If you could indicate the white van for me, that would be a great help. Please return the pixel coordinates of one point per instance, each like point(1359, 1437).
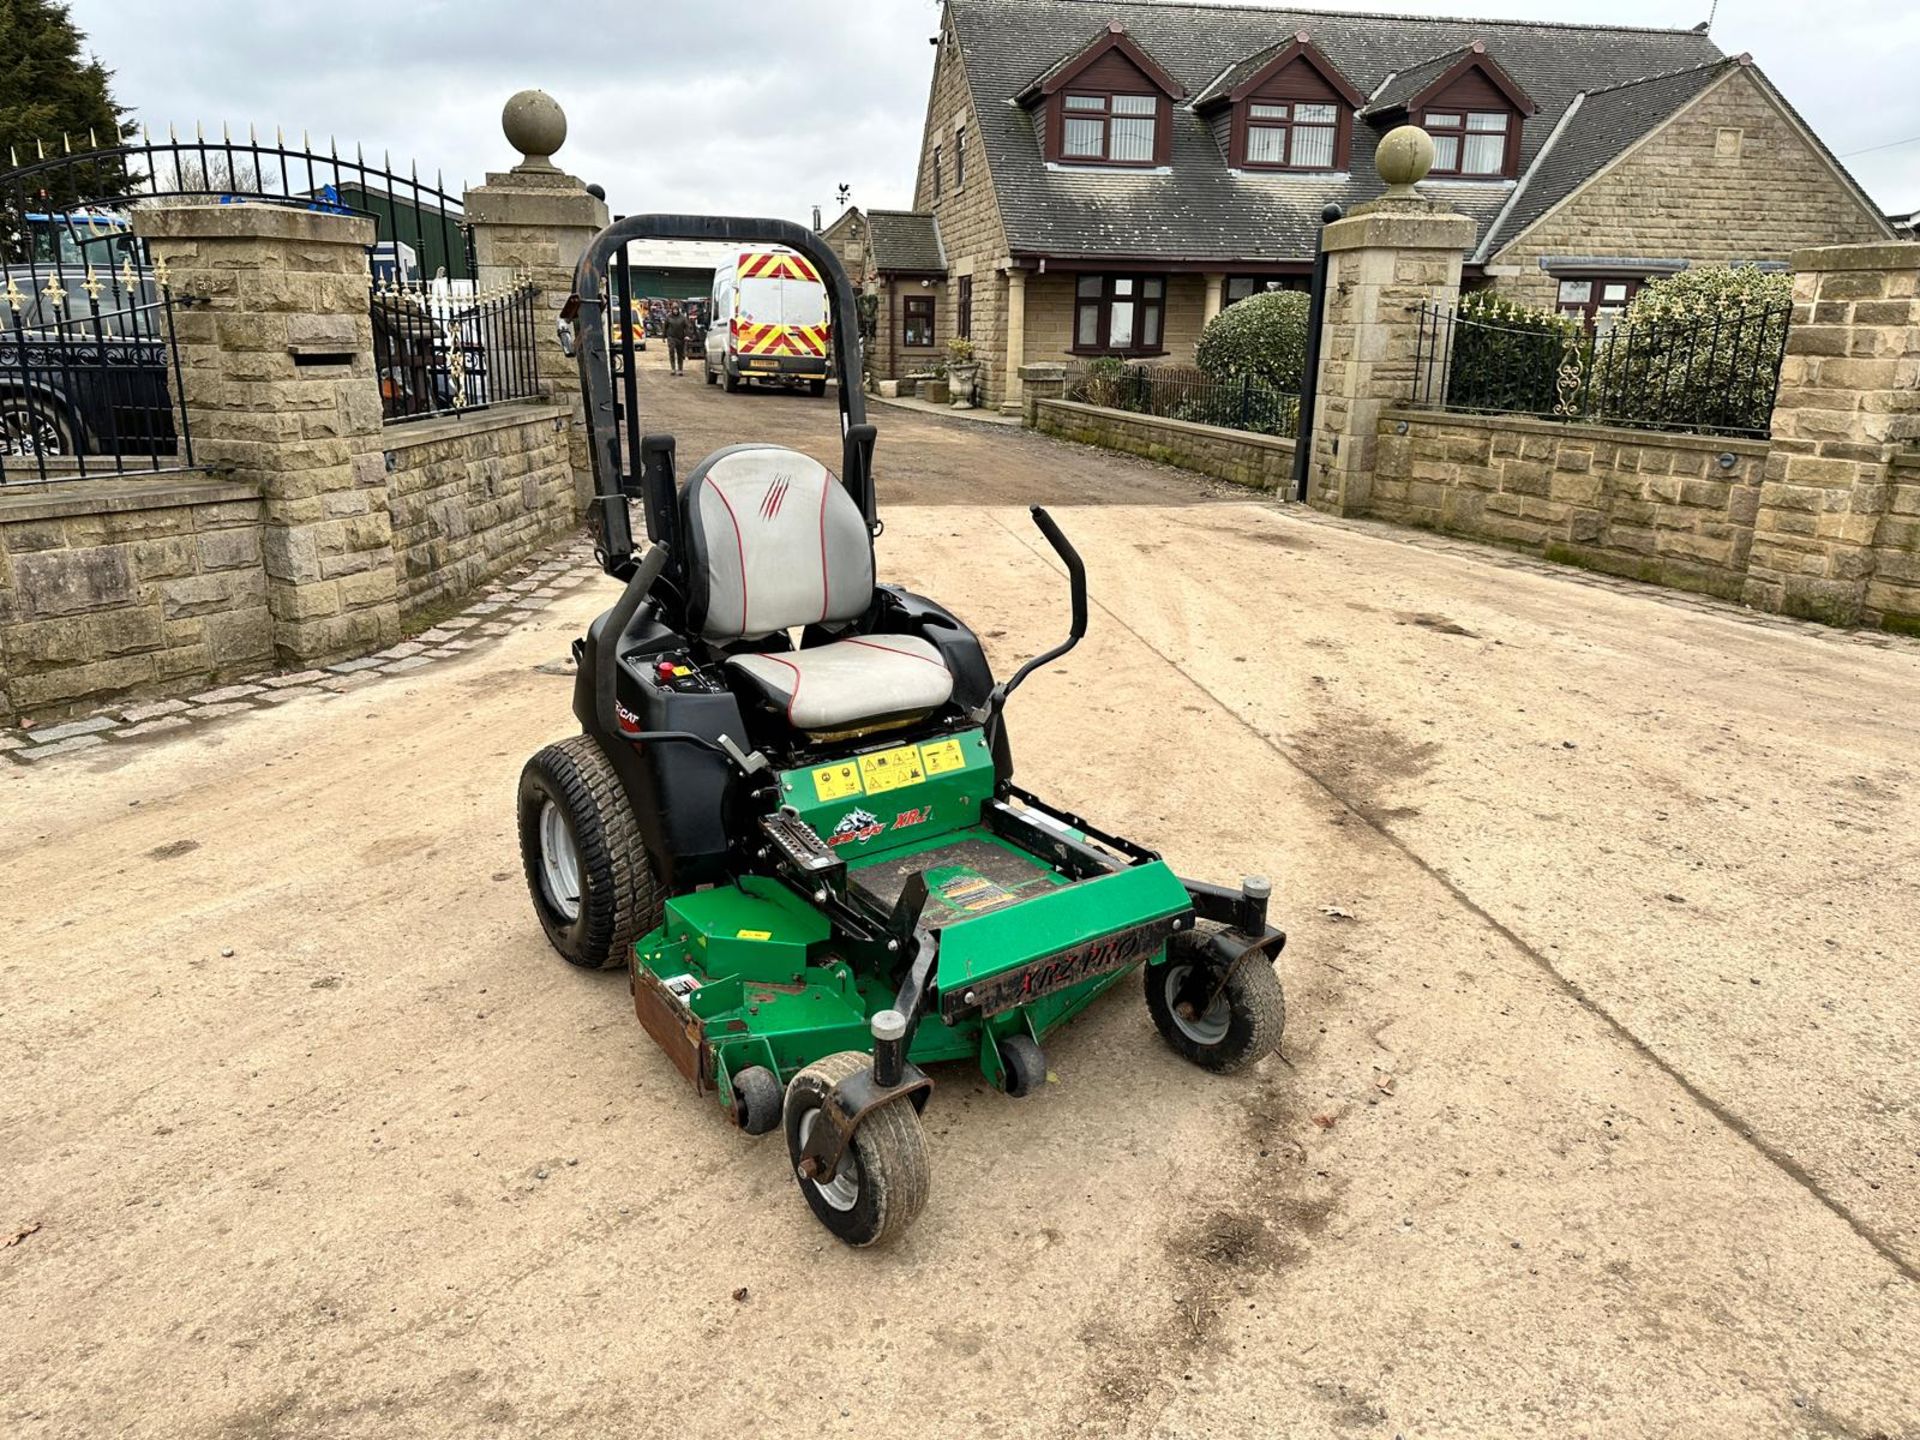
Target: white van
point(769, 321)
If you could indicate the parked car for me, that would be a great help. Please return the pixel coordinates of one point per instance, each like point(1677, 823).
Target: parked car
point(80, 397)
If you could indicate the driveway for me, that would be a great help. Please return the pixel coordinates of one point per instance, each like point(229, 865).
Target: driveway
point(1596, 1116)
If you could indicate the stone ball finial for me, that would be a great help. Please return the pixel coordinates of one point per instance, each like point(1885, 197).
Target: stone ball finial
point(536, 126)
point(1404, 158)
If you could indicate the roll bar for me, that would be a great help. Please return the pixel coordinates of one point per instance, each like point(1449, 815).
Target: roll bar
point(586, 309)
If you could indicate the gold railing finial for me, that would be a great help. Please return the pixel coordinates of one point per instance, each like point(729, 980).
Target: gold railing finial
point(55, 292)
point(16, 301)
point(160, 274)
point(92, 284)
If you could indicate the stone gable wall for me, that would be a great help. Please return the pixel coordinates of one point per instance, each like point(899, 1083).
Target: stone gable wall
point(969, 217)
point(1688, 193)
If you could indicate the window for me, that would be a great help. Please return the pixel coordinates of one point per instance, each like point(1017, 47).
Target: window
point(1468, 143)
point(1291, 135)
point(1599, 301)
point(959, 156)
point(1118, 314)
point(1239, 287)
point(963, 313)
point(936, 172)
point(1115, 128)
point(916, 330)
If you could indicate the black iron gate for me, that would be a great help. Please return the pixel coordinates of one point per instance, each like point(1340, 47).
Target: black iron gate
point(89, 373)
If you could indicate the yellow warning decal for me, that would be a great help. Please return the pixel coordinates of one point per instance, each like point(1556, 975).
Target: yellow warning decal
point(836, 782)
point(942, 756)
point(891, 769)
point(754, 935)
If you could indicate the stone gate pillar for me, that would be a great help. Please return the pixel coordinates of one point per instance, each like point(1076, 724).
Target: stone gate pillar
point(277, 379)
point(533, 222)
point(1387, 258)
point(1848, 404)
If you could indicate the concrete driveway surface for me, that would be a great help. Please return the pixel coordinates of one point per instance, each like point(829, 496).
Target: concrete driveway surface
point(1596, 1117)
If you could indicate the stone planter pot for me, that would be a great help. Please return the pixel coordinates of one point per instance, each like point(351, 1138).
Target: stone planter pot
point(934, 390)
point(960, 379)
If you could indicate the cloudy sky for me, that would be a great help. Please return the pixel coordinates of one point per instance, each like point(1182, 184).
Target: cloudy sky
point(761, 108)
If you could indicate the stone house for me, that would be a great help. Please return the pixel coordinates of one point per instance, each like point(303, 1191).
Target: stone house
point(1103, 177)
point(895, 256)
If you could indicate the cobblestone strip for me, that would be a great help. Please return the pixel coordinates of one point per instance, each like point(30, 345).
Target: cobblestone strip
point(511, 601)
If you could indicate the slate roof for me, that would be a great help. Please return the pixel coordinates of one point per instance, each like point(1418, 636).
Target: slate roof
point(1403, 85)
point(1199, 210)
point(905, 242)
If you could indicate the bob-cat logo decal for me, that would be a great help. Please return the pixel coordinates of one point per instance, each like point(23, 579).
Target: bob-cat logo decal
point(629, 721)
point(856, 827)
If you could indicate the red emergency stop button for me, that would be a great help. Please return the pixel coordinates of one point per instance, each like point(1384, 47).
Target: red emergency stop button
point(664, 670)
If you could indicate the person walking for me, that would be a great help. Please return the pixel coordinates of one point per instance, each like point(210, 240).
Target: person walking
point(676, 329)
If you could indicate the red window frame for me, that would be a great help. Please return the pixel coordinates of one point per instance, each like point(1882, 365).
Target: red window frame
point(1101, 305)
point(1289, 125)
point(1588, 310)
point(1458, 132)
point(1105, 115)
point(916, 310)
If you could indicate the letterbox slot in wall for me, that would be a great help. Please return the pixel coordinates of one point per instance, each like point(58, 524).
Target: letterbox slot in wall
point(302, 359)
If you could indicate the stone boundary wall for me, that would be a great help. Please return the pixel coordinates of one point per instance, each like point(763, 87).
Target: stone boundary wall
point(131, 586)
point(1893, 590)
point(469, 495)
point(1651, 505)
point(1261, 462)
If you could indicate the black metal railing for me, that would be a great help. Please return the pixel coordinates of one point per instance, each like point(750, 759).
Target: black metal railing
point(89, 380)
point(1184, 393)
point(90, 386)
point(1715, 374)
point(440, 352)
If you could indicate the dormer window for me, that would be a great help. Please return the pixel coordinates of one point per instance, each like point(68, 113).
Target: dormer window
point(1282, 108)
point(1470, 143)
point(1291, 137)
point(1469, 105)
point(1108, 103)
point(1118, 129)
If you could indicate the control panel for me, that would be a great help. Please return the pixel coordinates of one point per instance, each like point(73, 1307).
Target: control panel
point(675, 672)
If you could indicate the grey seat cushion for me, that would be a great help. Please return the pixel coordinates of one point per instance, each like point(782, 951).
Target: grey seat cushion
point(848, 682)
point(775, 542)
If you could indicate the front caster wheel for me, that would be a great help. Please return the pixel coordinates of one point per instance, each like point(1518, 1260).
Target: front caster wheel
point(1025, 1064)
point(756, 1100)
point(1219, 1027)
point(886, 1172)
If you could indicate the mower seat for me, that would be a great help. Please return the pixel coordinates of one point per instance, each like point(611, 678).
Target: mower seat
point(774, 543)
point(862, 681)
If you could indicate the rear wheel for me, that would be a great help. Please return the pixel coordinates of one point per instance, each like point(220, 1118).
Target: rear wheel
point(707, 368)
point(733, 380)
point(884, 1177)
point(587, 867)
point(1218, 1021)
point(816, 388)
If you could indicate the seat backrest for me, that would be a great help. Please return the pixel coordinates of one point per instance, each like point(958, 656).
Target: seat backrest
point(773, 541)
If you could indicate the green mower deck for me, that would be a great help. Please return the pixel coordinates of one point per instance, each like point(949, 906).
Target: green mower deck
point(749, 974)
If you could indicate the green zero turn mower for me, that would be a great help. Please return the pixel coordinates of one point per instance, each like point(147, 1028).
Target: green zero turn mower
point(810, 853)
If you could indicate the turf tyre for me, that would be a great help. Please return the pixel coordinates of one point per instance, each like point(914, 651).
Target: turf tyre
point(892, 1170)
point(1244, 1024)
point(619, 896)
